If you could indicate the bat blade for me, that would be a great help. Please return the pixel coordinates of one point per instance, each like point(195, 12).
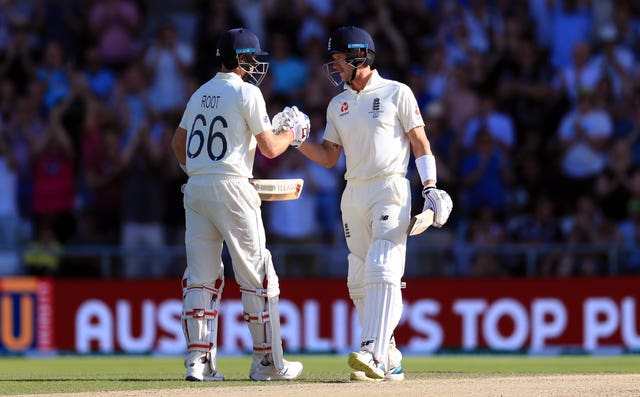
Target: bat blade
point(278, 189)
point(420, 222)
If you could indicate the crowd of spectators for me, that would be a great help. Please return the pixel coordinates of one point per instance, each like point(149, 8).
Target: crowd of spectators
point(532, 108)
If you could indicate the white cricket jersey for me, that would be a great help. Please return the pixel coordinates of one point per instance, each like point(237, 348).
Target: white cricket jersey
point(371, 126)
point(222, 118)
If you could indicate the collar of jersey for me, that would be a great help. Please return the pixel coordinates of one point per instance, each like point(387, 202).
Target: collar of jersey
point(373, 82)
point(228, 75)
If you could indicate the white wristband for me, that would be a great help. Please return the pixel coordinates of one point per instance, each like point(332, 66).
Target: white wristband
point(426, 166)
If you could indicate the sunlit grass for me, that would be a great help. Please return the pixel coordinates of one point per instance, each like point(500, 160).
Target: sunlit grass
point(20, 375)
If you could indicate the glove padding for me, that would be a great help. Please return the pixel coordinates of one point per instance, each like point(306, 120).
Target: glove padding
point(440, 202)
point(281, 122)
point(292, 118)
point(301, 125)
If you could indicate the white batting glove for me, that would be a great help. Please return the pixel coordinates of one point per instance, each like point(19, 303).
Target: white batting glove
point(439, 201)
point(301, 125)
point(281, 122)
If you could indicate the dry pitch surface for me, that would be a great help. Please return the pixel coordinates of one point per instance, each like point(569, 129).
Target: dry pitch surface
point(525, 386)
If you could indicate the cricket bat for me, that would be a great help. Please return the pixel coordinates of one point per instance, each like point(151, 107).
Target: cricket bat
point(420, 222)
point(278, 189)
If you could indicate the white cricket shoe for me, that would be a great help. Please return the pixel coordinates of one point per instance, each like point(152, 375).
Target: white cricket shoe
point(199, 370)
point(394, 364)
point(265, 370)
point(364, 361)
point(359, 376)
point(395, 374)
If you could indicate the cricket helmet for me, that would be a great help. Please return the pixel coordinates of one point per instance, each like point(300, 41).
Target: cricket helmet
point(352, 41)
point(239, 48)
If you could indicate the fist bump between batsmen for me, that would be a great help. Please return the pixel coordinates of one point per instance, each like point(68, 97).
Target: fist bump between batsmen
point(292, 118)
point(281, 122)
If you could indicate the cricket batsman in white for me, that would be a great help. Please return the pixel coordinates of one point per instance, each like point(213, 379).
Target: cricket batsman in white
point(215, 144)
point(376, 122)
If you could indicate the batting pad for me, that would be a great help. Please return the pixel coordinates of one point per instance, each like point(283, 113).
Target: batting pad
point(200, 316)
point(384, 263)
point(256, 315)
point(382, 312)
point(355, 284)
point(263, 316)
point(383, 297)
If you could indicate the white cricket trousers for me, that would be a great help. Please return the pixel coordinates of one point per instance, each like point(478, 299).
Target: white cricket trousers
point(224, 209)
point(375, 209)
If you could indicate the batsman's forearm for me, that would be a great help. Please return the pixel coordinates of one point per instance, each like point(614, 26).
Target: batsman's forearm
point(325, 155)
point(272, 145)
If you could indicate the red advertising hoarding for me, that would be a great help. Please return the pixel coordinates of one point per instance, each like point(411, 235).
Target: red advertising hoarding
point(531, 315)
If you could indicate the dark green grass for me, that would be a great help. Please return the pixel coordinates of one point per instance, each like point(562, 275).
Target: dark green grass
point(20, 375)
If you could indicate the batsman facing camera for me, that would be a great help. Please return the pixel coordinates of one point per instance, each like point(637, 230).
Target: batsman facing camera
point(352, 41)
point(377, 124)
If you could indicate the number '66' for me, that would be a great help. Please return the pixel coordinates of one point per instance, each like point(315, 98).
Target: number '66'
point(196, 138)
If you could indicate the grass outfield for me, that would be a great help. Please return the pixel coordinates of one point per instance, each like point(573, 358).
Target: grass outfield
point(19, 375)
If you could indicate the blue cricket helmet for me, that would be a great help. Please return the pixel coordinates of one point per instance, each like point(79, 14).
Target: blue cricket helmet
point(240, 41)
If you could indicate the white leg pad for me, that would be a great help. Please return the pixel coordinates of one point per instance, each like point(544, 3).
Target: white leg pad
point(383, 309)
point(383, 297)
point(359, 304)
point(355, 284)
point(263, 317)
point(200, 317)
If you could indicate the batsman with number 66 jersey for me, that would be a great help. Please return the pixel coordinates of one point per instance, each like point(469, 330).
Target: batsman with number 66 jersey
point(215, 144)
point(376, 122)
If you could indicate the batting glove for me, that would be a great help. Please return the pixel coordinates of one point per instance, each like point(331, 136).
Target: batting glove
point(439, 201)
point(281, 122)
point(301, 125)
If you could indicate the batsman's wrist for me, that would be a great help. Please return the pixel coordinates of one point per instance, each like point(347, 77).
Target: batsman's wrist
point(426, 166)
point(426, 188)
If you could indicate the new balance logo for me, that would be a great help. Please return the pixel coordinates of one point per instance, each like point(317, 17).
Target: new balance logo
point(198, 313)
point(366, 343)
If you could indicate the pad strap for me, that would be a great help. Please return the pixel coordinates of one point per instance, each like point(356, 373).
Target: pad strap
point(215, 290)
point(262, 348)
point(260, 318)
point(200, 346)
point(257, 291)
point(200, 314)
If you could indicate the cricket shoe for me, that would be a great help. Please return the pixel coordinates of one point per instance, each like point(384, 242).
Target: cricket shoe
point(394, 374)
point(265, 370)
point(359, 376)
point(364, 361)
point(199, 370)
